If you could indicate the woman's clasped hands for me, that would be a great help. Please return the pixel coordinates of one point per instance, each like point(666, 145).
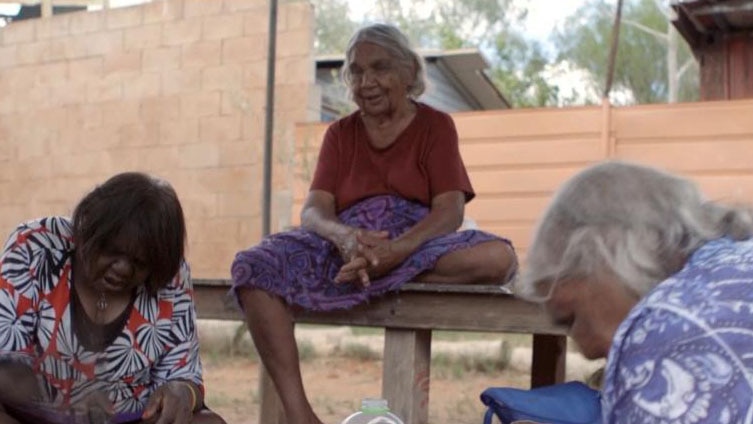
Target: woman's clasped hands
point(369, 254)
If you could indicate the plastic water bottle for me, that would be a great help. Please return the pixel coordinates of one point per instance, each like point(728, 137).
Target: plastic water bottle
point(373, 411)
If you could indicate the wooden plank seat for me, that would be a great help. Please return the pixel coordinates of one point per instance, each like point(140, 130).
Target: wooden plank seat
point(409, 316)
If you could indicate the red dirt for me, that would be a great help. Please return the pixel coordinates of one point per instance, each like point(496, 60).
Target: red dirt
point(335, 386)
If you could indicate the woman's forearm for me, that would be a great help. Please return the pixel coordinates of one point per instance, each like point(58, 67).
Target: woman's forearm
point(445, 217)
point(327, 226)
point(319, 216)
point(194, 392)
point(199, 396)
point(21, 377)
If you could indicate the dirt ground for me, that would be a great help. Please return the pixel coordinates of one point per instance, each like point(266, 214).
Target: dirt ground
point(335, 386)
point(342, 365)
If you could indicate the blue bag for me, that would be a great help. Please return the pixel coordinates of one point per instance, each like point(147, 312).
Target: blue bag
point(567, 403)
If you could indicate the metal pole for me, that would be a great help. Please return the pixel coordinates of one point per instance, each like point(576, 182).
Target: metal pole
point(46, 8)
point(269, 121)
point(271, 406)
point(613, 50)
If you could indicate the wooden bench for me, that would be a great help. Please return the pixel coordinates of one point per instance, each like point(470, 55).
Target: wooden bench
point(409, 317)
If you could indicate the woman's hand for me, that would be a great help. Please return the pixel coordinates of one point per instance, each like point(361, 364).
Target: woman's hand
point(22, 379)
point(386, 254)
point(376, 257)
point(354, 271)
point(96, 408)
point(349, 244)
point(357, 259)
point(171, 403)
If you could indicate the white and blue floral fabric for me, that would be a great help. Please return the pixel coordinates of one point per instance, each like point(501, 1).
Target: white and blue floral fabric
point(684, 354)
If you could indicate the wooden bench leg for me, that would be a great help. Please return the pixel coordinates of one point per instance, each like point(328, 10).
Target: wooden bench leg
point(270, 410)
point(405, 373)
point(548, 364)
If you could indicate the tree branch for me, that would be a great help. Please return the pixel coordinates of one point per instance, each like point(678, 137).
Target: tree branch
point(685, 66)
point(664, 10)
point(661, 36)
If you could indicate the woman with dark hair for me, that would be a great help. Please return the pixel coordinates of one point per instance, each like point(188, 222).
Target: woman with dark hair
point(644, 271)
point(96, 313)
point(387, 199)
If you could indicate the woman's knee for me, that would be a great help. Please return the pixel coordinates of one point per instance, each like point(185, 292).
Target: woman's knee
point(499, 262)
point(491, 262)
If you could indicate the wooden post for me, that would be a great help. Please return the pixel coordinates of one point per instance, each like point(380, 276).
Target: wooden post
point(406, 372)
point(46, 8)
point(548, 364)
point(608, 141)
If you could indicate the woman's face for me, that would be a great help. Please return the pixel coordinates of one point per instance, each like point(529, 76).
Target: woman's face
point(591, 309)
point(120, 266)
point(379, 87)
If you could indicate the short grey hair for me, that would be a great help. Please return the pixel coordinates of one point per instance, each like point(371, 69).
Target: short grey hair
point(629, 221)
point(399, 48)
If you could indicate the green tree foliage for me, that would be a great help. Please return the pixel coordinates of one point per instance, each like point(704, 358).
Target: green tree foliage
point(516, 64)
point(333, 26)
point(641, 70)
point(519, 66)
point(447, 24)
point(520, 71)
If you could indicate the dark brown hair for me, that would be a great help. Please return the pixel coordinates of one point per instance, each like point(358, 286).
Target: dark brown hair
point(145, 206)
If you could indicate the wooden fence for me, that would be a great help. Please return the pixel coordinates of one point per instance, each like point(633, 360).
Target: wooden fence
point(517, 158)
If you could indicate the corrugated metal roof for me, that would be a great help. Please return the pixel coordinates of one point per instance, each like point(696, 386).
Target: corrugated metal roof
point(465, 67)
point(697, 20)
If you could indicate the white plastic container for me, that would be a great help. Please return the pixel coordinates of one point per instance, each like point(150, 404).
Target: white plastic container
point(373, 411)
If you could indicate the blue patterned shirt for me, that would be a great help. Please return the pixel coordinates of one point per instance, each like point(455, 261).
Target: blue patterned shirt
point(684, 354)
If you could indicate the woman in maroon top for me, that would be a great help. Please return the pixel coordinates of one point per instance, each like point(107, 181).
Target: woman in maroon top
point(384, 208)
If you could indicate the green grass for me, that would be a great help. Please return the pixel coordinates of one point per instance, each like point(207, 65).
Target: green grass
point(449, 365)
point(458, 365)
point(306, 351)
point(514, 339)
point(358, 351)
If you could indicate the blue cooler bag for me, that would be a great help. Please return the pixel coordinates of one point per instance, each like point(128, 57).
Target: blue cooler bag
point(567, 403)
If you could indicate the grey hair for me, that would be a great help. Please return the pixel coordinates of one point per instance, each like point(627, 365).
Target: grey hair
point(399, 48)
point(629, 221)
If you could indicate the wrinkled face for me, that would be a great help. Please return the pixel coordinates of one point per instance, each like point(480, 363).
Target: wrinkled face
point(378, 85)
point(119, 267)
point(591, 309)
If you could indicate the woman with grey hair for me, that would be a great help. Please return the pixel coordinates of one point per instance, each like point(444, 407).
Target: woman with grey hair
point(388, 195)
point(644, 271)
point(408, 64)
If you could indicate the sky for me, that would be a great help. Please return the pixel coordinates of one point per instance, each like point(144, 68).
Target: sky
point(543, 15)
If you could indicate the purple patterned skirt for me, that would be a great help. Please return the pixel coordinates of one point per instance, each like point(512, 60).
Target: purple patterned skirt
point(300, 266)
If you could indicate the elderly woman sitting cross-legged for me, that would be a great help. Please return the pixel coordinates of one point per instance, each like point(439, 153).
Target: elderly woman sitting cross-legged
point(644, 271)
point(388, 194)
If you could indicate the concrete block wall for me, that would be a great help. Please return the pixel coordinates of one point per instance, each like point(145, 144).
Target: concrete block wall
point(173, 87)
